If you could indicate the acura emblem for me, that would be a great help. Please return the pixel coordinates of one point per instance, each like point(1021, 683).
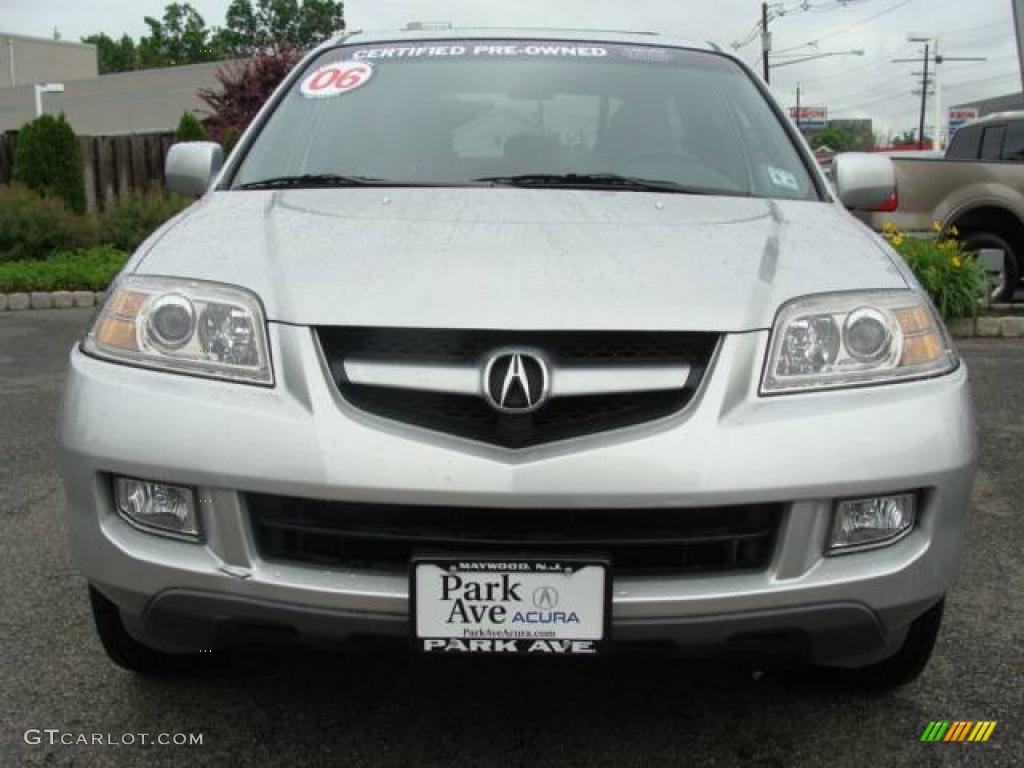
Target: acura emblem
point(545, 598)
point(516, 381)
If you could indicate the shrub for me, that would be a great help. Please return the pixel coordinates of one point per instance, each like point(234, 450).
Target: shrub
point(956, 281)
point(134, 219)
point(87, 270)
point(32, 226)
point(189, 129)
point(47, 160)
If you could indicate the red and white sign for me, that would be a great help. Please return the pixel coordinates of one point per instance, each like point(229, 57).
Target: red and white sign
point(960, 117)
point(810, 118)
point(336, 79)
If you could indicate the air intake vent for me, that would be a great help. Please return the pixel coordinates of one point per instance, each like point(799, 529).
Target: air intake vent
point(383, 537)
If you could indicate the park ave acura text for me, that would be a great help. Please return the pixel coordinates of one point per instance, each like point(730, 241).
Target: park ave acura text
point(520, 342)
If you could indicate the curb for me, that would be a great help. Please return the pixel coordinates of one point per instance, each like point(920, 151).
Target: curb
point(19, 302)
point(990, 327)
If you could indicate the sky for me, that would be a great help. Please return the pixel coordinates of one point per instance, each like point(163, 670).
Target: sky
point(849, 86)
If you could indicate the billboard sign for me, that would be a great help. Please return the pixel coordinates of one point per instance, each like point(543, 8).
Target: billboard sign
point(958, 117)
point(809, 118)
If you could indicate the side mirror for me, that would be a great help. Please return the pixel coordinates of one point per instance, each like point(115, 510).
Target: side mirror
point(191, 166)
point(865, 182)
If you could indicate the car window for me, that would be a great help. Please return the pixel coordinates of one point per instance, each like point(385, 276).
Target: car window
point(966, 144)
point(455, 112)
point(1013, 149)
point(992, 142)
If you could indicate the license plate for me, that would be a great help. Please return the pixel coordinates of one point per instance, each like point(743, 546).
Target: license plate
point(510, 606)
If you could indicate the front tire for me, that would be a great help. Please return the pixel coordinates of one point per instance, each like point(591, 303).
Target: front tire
point(902, 668)
point(123, 649)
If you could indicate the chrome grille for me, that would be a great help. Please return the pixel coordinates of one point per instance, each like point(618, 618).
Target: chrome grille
point(602, 380)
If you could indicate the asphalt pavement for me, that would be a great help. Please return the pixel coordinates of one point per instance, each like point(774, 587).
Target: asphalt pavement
point(391, 709)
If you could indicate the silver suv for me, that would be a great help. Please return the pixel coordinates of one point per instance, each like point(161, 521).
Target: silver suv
point(516, 342)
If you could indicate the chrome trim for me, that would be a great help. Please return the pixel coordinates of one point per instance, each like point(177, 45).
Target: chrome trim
point(454, 379)
point(606, 380)
point(565, 382)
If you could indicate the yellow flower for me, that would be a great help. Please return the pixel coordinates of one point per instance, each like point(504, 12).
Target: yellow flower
point(936, 226)
point(897, 240)
point(890, 228)
point(957, 262)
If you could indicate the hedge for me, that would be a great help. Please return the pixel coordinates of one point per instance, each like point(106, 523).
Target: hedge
point(88, 269)
point(33, 227)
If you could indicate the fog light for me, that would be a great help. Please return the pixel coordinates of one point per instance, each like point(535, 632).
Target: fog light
point(874, 522)
point(169, 510)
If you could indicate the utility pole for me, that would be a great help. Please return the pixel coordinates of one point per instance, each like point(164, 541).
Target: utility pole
point(798, 108)
point(766, 44)
point(939, 119)
point(932, 79)
point(1018, 18)
point(924, 93)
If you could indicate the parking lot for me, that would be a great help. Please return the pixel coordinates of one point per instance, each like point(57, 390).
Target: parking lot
point(392, 709)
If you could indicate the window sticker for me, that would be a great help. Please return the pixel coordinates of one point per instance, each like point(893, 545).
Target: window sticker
point(783, 178)
point(335, 79)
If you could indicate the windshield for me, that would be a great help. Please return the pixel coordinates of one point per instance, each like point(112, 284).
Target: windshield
point(531, 114)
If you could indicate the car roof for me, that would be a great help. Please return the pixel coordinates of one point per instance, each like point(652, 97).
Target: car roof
point(998, 117)
point(423, 31)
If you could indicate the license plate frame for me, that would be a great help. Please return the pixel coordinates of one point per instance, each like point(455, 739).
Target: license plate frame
point(537, 572)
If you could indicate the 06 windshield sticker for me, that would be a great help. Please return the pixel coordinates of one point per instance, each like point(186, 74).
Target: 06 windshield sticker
point(335, 79)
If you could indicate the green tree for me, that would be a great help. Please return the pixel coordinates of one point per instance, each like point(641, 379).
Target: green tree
point(908, 137)
point(47, 160)
point(114, 55)
point(252, 27)
point(189, 129)
point(831, 137)
point(181, 37)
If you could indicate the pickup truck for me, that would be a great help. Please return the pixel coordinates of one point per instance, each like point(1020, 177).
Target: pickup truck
point(977, 188)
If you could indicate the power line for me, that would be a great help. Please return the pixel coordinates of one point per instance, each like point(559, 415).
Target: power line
point(775, 11)
point(860, 104)
point(843, 30)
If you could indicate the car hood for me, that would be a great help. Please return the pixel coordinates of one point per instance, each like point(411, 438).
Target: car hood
point(520, 259)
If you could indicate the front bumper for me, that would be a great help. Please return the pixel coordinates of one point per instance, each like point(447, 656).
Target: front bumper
point(728, 447)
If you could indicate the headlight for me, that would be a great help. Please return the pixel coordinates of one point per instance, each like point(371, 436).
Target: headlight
point(854, 339)
point(185, 326)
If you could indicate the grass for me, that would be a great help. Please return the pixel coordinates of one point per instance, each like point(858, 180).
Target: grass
point(89, 269)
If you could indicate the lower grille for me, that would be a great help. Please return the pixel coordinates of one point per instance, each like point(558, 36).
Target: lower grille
point(472, 417)
point(383, 537)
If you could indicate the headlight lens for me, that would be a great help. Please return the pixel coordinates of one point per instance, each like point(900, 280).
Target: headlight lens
point(185, 326)
point(854, 339)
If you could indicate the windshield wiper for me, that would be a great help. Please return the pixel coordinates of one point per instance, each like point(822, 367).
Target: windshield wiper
point(599, 181)
point(317, 181)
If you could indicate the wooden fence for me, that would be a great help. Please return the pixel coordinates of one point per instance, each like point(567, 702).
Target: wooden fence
point(113, 167)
